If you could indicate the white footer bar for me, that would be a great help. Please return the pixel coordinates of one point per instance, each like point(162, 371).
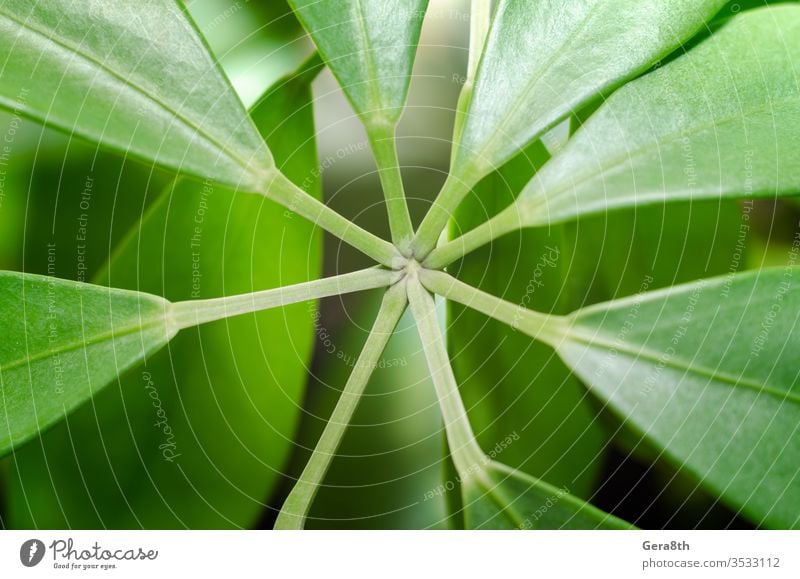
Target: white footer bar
point(406, 555)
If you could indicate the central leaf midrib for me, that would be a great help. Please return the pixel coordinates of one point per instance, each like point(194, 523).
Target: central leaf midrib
point(677, 363)
point(78, 344)
point(534, 82)
point(507, 509)
point(369, 60)
point(92, 59)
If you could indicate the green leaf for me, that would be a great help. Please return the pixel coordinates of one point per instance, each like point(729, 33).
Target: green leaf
point(369, 46)
point(504, 498)
point(720, 121)
point(703, 126)
point(231, 391)
point(707, 372)
point(64, 341)
point(542, 62)
point(135, 77)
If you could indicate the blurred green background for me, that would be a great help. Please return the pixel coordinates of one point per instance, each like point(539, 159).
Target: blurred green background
point(391, 467)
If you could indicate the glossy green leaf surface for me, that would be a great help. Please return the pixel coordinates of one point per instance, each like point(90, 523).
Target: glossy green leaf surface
point(370, 46)
point(720, 121)
point(196, 438)
point(503, 498)
point(133, 75)
point(63, 342)
point(543, 60)
point(707, 372)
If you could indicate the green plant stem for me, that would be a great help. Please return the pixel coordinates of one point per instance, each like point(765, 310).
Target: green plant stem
point(453, 192)
point(295, 508)
point(547, 328)
point(194, 312)
point(504, 222)
point(384, 148)
point(280, 189)
point(467, 456)
point(456, 188)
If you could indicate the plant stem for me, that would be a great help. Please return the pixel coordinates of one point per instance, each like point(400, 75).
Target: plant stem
point(502, 223)
point(545, 327)
point(280, 189)
point(456, 188)
point(467, 456)
point(191, 313)
point(452, 193)
point(384, 148)
point(295, 509)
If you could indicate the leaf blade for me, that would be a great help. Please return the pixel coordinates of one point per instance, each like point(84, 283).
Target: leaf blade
point(693, 373)
point(541, 63)
point(99, 72)
point(62, 337)
point(230, 390)
point(592, 47)
point(375, 73)
point(732, 135)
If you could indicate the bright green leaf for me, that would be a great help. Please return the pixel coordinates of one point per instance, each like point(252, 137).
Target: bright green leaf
point(64, 341)
point(504, 498)
point(722, 120)
point(544, 60)
point(370, 46)
point(134, 76)
point(707, 372)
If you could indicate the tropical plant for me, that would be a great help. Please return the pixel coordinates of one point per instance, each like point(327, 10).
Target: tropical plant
point(569, 109)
